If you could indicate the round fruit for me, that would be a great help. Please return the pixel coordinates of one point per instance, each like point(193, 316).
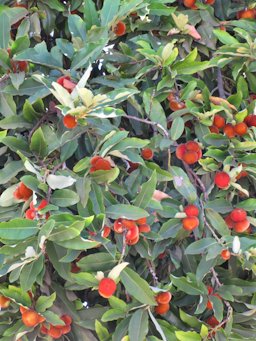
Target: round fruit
point(175, 102)
point(229, 131)
point(106, 231)
point(219, 121)
point(145, 228)
point(162, 309)
point(190, 223)
point(30, 214)
point(120, 28)
point(102, 164)
point(141, 221)
point(19, 66)
point(212, 321)
point(192, 146)
point(240, 128)
point(67, 319)
point(163, 297)
point(147, 154)
point(209, 2)
point(107, 287)
point(191, 210)
point(190, 4)
point(25, 191)
point(209, 305)
point(129, 224)
point(118, 226)
point(180, 151)
point(242, 226)
point(225, 254)
point(210, 290)
point(214, 130)
point(229, 222)
point(238, 214)
point(54, 332)
point(132, 233)
point(133, 241)
point(250, 120)
point(222, 180)
point(190, 157)
point(246, 14)
point(30, 318)
point(69, 121)
point(4, 302)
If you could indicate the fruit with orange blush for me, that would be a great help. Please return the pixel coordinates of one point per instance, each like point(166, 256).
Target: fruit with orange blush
point(162, 309)
point(190, 223)
point(107, 287)
point(240, 128)
point(222, 180)
point(163, 297)
point(69, 121)
point(119, 29)
point(4, 302)
point(219, 121)
point(147, 154)
point(225, 254)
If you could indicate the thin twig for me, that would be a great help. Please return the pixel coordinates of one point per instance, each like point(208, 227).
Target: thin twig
point(152, 271)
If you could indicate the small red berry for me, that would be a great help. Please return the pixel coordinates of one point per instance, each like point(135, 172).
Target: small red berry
point(144, 228)
point(219, 121)
point(162, 309)
point(240, 128)
point(222, 180)
point(69, 121)
point(147, 154)
point(107, 287)
point(190, 223)
point(241, 226)
point(163, 297)
point(180, 151)
point(229, 131)
point(120, 28)
point(238, 214)
point(225, 254)
point(191, 210)
point(106, 231)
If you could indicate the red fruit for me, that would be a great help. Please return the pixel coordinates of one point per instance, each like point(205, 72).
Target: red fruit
point(246, 14)
point(106, 231)
point(19, 66)
point(241, 175)
point(219, 121)
point(133, 241)
point(129, 224)
point(250, 120)
point(132, 233)
point(107, 287)
point(94, 159)
point(145, 228)
point(25, 191)
point(174, 101)
point(147, 154)
point(222, 180)
point(141, 221)
point(192, 146)
point(4, 302)
point(212, 321)
point(66, 329)
point(163, 297)
point(191, 210)
point(30, 214)
point(43, 204)
point(118, 226)
point(162, 309)
point(190, 157)
point(69, 85)
point(214, 130)
point(238, 214)
point(67, 319)
point(209, 305)
point(241, 226)
point(102, 164)
point(69, 121)
point(31, 318)
point(44, 330)
point(120, 28)
point(17, 195)
point(74, 268)
point(225, 254)
point(54, 332)
point(133, 166)
point(229, 222)
point(190, 223)
point(180, 151)
point(210, 290)
point(240, 128)
point(229, 131)
point(23, 309)
point(209, 2)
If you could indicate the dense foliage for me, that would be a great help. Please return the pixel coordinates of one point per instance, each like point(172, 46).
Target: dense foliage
point(127, 181)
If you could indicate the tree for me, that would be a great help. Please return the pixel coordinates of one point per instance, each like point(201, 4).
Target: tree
point(127, 207)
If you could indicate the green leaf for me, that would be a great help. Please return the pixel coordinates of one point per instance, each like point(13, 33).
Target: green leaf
point(64, 198)
point(183, 185)
point(53, 318)
point(147, 190)
point(45, 302)
point(125, 211)
point(225, 37)
point(78, 243)
point(170, 228)
point(18, 229)
point(101, 331)
point(138, 326)
point(90, 14)
point(76, 26)
point(177, 128)
point(112, 315)
point(30, 272)
point(18, 295)
point(187, 336)
point(117, 303)
point(137, 287)
point(67, 232)
point(38, 143)
point(105, 176)
point(189, 286)
point(103, 262)
point(108, 12)
point(217, 222)
point(10, 170)
point(5, 28)
point(248, 204)
point(14, 122)
point(192, 321)
point(86, 279)
point(200, 246)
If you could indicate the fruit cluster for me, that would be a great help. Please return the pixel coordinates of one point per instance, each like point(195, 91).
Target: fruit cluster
point(189, 152)
point(229, 129)
point(32, 212)
point(22, 192)
point(191, 3)
point(131, 229)
point(107, 287)
point(238, 220)
point(209, 304)
point(30, 318)
point(99, 163)
point(175, 103)
point(191, 222)
point(163, 302)
point(57, 331)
